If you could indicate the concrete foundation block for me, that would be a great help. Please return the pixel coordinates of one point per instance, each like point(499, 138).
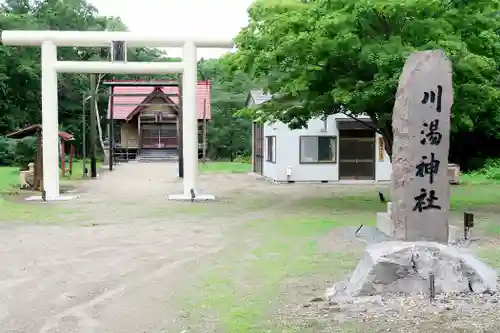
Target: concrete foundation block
point(385, 224)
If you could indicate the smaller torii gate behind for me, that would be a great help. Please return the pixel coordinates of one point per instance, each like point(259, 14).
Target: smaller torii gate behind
point(50, 40)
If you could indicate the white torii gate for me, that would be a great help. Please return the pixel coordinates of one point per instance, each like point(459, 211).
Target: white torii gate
point(50, 40)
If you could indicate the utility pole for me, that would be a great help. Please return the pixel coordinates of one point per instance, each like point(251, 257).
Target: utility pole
point(180, 133)
point(93, 126)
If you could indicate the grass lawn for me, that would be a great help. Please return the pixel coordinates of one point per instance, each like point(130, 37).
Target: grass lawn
point(245, 286)
point(13, 207)
point(10, 207)
point(9, 178)
point(225, 167)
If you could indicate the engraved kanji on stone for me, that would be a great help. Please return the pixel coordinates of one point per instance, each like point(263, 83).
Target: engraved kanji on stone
point(426, 200)
point(432, 97)
point(431, 133)
point(428, 167)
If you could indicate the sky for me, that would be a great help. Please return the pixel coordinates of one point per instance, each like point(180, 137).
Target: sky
point(184, 18)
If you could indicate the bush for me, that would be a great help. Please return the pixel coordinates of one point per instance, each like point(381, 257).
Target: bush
point(491, 169)
point(243, 159)
point(17, 152)
point(25, 151)
point(7, 151)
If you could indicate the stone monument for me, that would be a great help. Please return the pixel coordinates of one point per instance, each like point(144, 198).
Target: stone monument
point(420, 191)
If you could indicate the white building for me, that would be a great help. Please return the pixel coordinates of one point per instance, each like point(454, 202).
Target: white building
point(335, 149)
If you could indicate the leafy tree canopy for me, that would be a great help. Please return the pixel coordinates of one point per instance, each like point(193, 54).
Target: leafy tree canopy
point(325, 56)
point(20, 99)
point(228, 134)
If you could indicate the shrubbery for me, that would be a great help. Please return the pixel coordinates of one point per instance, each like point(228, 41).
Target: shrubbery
point(243, 159)
point(490, 170)
point(17, 152)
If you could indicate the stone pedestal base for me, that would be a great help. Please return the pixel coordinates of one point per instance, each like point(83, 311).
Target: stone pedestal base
point(405, 267)
point(183, 197)
point(59, 198)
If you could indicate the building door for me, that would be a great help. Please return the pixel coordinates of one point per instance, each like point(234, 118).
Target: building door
point(159, 136)
point(357, 154)
point(258, 148)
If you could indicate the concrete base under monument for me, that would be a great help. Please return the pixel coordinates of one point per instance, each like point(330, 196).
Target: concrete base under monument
point(386, 225)
point(405, 267)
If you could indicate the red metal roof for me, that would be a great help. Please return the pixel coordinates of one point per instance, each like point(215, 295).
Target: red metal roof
point(121, 112)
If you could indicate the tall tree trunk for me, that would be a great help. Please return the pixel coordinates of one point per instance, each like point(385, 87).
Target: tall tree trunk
point(99, 123)
point(384, 128)
point(388, 137)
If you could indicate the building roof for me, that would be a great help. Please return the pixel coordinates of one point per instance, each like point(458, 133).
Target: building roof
point(258, 96)
point(33, 129)
point(122, 112)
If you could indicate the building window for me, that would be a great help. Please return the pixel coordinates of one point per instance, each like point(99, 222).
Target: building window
point(318, 149)
point(271, 149)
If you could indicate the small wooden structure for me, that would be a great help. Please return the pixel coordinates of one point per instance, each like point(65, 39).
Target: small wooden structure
point(36, 130)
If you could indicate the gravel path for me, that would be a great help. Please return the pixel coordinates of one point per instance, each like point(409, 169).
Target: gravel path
point(401, 314)
point(92, 279)
point(115, 262)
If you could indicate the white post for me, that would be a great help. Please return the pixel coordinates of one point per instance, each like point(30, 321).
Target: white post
point(189, 120)
point(50, 121)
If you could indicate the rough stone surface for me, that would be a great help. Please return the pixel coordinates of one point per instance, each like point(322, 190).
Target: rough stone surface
point(405, 267)
point(423, 103)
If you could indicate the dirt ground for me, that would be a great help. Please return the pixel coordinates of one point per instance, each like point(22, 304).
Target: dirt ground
point(123, 249)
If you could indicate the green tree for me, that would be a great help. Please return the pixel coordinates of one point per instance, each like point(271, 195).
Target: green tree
point(228, 135)
point(327, 56)
point(20, 99)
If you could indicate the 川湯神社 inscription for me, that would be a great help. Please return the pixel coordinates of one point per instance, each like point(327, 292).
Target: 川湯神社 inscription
point(421, 122)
